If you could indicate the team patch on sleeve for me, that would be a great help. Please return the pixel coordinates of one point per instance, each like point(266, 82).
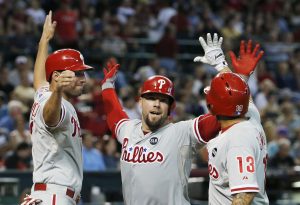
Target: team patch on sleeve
point(41, 93)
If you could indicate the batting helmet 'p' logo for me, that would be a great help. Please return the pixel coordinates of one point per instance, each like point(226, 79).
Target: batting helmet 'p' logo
point(161, 82)
point(153, 140)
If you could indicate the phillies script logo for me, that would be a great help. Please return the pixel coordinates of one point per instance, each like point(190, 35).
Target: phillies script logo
point(139, 154)
point(213, 172)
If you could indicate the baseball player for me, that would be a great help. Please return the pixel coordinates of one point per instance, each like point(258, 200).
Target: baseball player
point(237, 157)
point(156, 154)
point(57, 145)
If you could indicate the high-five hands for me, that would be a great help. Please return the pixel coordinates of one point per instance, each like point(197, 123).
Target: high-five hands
point(247, 60)
point(213, 53)
point(110, 73)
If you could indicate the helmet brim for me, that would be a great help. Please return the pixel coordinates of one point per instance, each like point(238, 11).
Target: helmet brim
point(82, 67)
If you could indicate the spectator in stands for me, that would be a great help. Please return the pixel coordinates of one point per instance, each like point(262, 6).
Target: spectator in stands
point(15, 111)
point(20, 134)
point(36, 13)
point(5, 85)
point(92, 157)
point(272, 137)
point(167, 48)
point(284, 76)
point(20, 159)
point(129, 102)
point(181, 23)
point(232, 29)
point(111, 155)
point(266, 88)
point(22, 68)
point(66, 18)
point(296, 148)
point(24, 92)
point(21, 40)
point(125, 11)
point(3, 105)
point(4, 147)
point(158, 25)
point(290, 118)
point(112, 44)
point(282, 160)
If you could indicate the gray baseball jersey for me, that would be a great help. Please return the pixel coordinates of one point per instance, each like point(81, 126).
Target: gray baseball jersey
point(56, 151)
point(237, 161)
point(155, 167)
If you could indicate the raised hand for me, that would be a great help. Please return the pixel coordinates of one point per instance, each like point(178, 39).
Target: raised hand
point(110, 72)
point(29, 200)
point(39, 66)
point(49, 27)
point(213, 53)
point(247, 60)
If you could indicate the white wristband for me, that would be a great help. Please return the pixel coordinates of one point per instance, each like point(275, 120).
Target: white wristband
point(107, 84)
point(221, 65)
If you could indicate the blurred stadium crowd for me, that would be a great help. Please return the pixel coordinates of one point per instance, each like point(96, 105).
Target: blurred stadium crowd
point(150, 37)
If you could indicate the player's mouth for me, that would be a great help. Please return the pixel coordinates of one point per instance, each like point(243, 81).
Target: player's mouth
point(155, 113)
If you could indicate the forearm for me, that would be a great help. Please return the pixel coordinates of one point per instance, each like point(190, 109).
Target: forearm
point(113, 109)
point(42, 54)
point(39, 66)
point(243, 198)
point(52, 111)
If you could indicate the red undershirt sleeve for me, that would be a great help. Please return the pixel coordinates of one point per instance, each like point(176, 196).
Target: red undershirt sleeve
point(206, 127)
point(113, 109)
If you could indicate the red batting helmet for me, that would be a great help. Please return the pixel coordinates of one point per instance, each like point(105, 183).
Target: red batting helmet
point(65, 59)
point(228, 95)
point(159, 84)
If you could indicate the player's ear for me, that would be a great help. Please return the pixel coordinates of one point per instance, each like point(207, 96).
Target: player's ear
point(55, 75)
point(140, 101)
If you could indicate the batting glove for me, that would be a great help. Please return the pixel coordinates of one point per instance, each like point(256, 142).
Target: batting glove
point(247, 61)
point(213, 53)
point(29, 200)
point(110, 74)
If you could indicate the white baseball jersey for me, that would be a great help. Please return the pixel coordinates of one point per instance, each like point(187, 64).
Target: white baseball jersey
point(155, 167)
point(56, 151)
point(237, 161)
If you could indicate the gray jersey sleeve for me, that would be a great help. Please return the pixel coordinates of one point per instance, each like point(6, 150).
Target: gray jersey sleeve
point(253, 113)
point(41, 97)
point(122, 129)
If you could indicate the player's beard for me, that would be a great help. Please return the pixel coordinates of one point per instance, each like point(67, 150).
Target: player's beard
point(72, 92)
point(155, 124)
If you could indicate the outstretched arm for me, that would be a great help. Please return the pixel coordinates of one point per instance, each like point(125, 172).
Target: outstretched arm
point(112, 107)
point(51, 112)
point(39, 66)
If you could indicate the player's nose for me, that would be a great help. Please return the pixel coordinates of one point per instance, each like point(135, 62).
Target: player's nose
point(82, 80)
point(157, 102)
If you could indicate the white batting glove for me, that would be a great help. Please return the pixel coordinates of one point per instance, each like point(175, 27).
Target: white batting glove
point(29, 200)
point(213, 53)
